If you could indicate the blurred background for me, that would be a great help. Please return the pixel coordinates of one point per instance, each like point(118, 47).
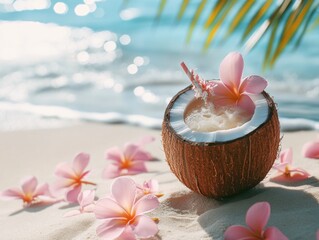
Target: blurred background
point(118, 60)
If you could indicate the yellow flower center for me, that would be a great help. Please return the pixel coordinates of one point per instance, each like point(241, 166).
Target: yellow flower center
point(287, 171)
point(126, 163)
point(28, 198)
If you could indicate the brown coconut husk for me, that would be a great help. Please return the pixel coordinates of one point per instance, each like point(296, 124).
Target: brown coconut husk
point(220, 170)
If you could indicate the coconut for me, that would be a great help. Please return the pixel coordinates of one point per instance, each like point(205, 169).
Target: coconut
point(225, 162)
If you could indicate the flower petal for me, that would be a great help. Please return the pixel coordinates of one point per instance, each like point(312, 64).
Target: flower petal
point(296, 175)
point(89, 208)
point(145, 140)
point(317, 235)
point(111, 171)
point(80, 162)
point(128, 234)
point(231, 69)
point(114, 154)
point(222, 96)
point(311, 150)
point(124, 192)
point(86, 197)
point(145, 227)
point(137, 167)
point(42, 190)
point(257, 216)
point(151, 185)
point(281, 167)
point(253, 84)
point(64, 170)
point(285, 156)
point(62, 183)
point(111, 229)
point(72, 195)
point(273, 233)
point(130, 150)
point(141, 155)
point(146, 204)
point(107, 208)
point(11, 193)
point(237, 232)
point(246, 104)
point(29, 185)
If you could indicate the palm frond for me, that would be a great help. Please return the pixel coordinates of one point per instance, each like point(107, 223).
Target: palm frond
point(277, 15)
point(182, 9)
point(215, 27)
point(288, 22)
point(306, 25)
point(291, 28)
point(216, 10)
point(160, 9)
point(240, 16)
point(195, 19)
point(256, 19)
point(315, 23)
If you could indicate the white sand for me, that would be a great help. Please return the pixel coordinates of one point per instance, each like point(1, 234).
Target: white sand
point(183, 214)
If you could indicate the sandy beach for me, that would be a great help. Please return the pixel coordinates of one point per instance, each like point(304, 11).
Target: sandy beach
point(182, 213)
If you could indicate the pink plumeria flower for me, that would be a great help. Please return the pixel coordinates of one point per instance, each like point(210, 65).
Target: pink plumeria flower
point(311, 149)
point(72, 176)
point(129, 161)
point(201, 87)
point(288, 173)
point(124, 213)
point(86, 203)
point(150, 187)
point(257, 217)
point(29, 192)
point(232, 90)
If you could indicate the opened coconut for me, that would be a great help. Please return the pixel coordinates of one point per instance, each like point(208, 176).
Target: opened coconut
point(218, 159)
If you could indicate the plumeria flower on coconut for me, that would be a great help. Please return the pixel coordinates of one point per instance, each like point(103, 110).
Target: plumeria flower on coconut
point(30, 192)
point(232, 90)
point(129, 161)
point(256, 219)
point(71, 176)
point(288, 173)
point(124, 214)
point(311, 149)
point(86, 204)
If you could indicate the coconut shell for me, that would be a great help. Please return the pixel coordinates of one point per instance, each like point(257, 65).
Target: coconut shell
point(218, 169)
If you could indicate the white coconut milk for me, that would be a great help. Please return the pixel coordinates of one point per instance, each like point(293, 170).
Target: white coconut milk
point(208, 118)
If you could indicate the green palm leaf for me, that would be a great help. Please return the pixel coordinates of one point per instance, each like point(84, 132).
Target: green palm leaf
point(216, 10)
point(195, 19)
point(218, 23)
point(160, 9)
point(182, 9)
point(240, 16)
point(277, 18)
point(306, 25)
point(291, 28)
point(256, 19)
point(287, 22)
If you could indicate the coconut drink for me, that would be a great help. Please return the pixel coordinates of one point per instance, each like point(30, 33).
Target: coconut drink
point(221, 137)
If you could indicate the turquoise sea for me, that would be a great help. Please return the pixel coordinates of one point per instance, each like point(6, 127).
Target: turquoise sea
point(110, 61)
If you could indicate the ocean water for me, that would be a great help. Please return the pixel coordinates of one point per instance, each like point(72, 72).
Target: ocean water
point(110, 61)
